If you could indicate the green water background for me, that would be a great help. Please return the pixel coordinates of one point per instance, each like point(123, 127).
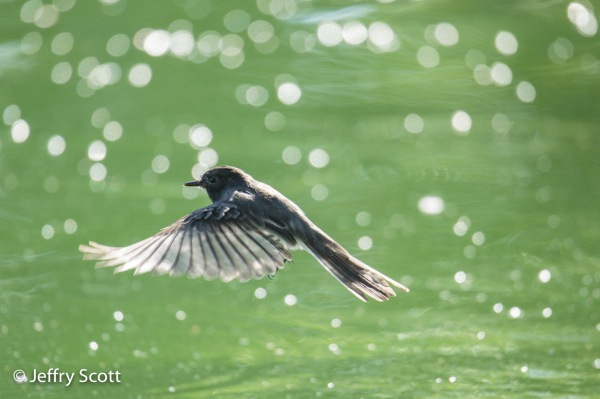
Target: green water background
point(473, 324)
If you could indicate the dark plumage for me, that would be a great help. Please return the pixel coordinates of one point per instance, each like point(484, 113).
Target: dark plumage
point(247, 232)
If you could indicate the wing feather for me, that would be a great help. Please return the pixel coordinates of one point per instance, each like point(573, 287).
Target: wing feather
point(271, 250)
point(167, 262)
point(198, 264)
point(216, 241)
point(256, 259)
point(225, 263)
point(235, 250)
point(137, 259)
point(182, 264)
point(212, 270)
point(157, 256)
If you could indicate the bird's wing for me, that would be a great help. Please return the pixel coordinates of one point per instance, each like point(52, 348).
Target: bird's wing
point(216, 241)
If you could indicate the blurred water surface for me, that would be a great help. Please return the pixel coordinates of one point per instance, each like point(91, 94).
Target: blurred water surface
point(451, 145)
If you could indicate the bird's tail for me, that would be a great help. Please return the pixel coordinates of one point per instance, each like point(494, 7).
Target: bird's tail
point(359, 278)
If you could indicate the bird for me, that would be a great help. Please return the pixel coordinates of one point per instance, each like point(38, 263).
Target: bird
point(247, 232)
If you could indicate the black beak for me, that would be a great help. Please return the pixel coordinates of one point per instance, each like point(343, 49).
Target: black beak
point(192, 183)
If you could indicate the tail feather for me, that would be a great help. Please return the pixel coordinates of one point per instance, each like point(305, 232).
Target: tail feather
point(359, 278)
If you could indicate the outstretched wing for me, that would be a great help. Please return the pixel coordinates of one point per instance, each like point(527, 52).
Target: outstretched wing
point(216, 241)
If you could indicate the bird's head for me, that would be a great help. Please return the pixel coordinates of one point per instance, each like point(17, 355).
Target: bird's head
point(217, 180)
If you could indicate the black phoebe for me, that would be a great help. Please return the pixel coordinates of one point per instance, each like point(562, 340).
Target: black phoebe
point(246, 233)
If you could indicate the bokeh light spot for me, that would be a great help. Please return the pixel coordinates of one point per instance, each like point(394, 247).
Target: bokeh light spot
point(182, 43)
point(236, 21)
point(319, 192)
point(501, 123)
point(31, 43)
point(197, 9)
point(19, 131)
point(469, 251)
point(70, 226)
point(354, 32)
point(291, 155)
point(515, 312)
point(363, 218)
point(413, 123)
point(275, 121)
point(46, 16)
point(526, 92)
point(140, 75)
point(29, 9)
point(283, 9)
point(61, 73)
point(544, 276)
point(182, 133)
point(365, 243)
point(318, 158)
point(11, 114)
point(478, 238)
point(104, 74)
point(483, 75)
point(583, 19)
point(501, 74)
point(208, 43)
point(474, 58)
point(208, 157)
point(260, 293)
point(260, 31)
point(428, 57)
point(431, 205)
point(97, 151)
point(190, 192)
point(289, 93)
point(560, 51)
point(86, 66)
point(302, 41)
point(460, 228)
point(329, 33)
point(160, 164)
point(56, 145)
point(157, 43)
point(290, 300)
point(446, 34)
point(506, 43)
point(113, 131)
point(257, 96)
point(100, 118)
point(118, 45)
point(98, 172)
point(62, 43)
point(461, 122)
point(200, 135)
point(383, 37)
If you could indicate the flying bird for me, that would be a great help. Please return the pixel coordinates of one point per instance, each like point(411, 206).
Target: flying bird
point(247, 232)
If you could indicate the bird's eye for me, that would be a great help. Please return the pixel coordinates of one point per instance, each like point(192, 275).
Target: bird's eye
point(212, 180)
